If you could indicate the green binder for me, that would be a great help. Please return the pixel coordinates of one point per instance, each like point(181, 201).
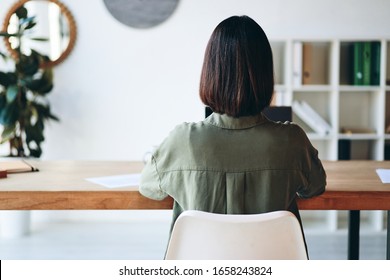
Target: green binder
point(366, 63)
point(358, 63)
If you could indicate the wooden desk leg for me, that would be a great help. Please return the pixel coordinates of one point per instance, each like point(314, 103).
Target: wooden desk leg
point(388, 236)
point(353, 234)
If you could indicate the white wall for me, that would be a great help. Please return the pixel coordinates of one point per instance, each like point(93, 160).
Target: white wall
point(122, 90)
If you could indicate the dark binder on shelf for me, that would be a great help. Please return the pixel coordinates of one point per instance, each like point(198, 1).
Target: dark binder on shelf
point(375, 63)
point(344, 149)
point(387, 151)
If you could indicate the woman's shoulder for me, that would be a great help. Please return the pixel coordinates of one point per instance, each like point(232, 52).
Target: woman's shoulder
point(188, 127)
point(290, 129)
point(179, 139)
point(184, 130)
point(287, 125)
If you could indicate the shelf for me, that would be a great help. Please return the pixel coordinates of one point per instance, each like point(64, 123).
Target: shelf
point(349, 88)
point(316, 136)
point(334, 92)
point(359, 136)
point(312, 88)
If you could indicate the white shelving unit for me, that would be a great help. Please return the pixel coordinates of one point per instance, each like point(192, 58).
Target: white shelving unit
point(339, 102)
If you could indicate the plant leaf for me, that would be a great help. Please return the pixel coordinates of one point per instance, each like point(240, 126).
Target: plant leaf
point(44, 112)
point(40, 39)
point(42, 85)
point(34, 133)
point(30, 25)
point(4, 79)
point(21, 12)
point(3, 102)
point(6, 34)
point(9, 114)
point(35, 152)
point(28, 64)
point(27, 20)
point(7, 79)
point(3, 55)
point(53, 117)
point(7, 134)
point(12, 93)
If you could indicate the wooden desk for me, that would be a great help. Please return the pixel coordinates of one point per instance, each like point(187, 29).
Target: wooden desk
point(352, 185)
point(61, 185)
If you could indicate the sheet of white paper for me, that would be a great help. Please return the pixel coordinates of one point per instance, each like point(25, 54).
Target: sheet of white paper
point(384, 175)
point(117, 181)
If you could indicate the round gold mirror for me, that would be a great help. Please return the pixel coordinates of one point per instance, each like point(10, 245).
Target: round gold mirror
point(53, 35)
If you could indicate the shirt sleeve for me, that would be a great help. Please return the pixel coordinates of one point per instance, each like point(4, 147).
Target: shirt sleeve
point(316, 177)
point(150, 185)
point(314, 172)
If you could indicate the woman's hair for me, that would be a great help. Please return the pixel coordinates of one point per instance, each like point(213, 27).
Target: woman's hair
point(237, 77)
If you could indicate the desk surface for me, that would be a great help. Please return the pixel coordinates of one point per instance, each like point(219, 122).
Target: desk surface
point(352, 185)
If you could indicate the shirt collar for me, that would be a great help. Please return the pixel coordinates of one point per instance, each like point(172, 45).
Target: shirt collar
point(227, 122)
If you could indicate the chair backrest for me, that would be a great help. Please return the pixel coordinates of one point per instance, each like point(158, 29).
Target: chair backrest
point(200, 235)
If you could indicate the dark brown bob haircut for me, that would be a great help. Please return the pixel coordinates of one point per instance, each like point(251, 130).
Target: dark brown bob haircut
point(237, 77)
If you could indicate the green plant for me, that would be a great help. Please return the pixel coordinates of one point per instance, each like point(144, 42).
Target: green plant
point(24, 108)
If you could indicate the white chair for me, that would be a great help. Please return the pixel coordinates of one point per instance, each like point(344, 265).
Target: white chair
point(200, 235)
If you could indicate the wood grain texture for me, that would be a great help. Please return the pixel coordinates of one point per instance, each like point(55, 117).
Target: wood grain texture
point(78, 200)
point(352, 185)
point(335, 200)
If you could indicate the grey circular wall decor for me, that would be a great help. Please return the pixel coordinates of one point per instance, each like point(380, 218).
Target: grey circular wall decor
point(141, 13)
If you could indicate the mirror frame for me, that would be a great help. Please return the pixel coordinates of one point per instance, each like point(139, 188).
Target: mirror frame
point(72, 31)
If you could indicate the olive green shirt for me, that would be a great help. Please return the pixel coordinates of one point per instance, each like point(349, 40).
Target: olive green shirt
point(231, 165)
